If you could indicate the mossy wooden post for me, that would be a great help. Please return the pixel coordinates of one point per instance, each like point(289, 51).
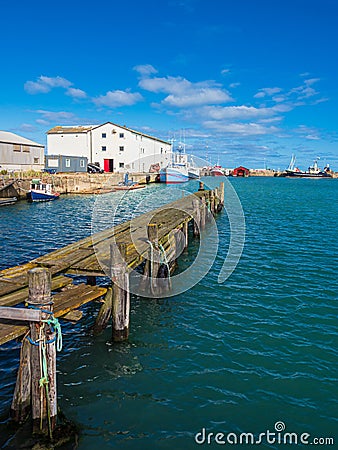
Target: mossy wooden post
point(154, 256)
point(21, 403)
point(203, 213)
point(44, 398)
point(197, 216)
point(216, 201)
point(121, 295)
point(212, 202)
point(221, 193)
point(185, 230)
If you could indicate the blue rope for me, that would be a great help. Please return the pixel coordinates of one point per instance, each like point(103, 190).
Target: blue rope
point(55, 327)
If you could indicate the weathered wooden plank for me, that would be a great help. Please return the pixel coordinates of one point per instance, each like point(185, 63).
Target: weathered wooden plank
point(76, 296)
point(21, 295)
point(65, 301)
point(20, 314)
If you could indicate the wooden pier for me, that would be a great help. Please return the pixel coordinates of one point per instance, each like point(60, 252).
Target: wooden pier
point(34, 295)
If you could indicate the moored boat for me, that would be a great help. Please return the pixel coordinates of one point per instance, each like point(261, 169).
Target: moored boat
point(177, 169)
point(313, 171)
point(174, 173)
point(8, 201)
point(41, 192)
point(217, 171)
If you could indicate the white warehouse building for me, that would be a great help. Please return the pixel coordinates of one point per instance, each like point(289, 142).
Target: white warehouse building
point(19, 153)
point(116, 148)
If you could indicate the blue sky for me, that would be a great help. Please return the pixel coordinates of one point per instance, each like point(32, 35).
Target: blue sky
point(250, 81)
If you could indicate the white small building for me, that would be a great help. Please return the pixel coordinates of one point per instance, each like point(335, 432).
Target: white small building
point(116, 148)
point(19, 153)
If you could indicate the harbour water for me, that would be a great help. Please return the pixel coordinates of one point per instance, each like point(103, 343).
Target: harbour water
point(236, 357)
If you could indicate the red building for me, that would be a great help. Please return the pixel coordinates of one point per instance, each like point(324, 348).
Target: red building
point(240, 172)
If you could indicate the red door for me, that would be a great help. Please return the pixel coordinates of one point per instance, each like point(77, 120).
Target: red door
point(108, 165)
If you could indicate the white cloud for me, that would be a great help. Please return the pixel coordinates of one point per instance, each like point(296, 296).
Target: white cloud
point(26, 128)
point(45, 84)
point(311, 81)
point(234, 85)
point(264, 92)
point(244, 129)
point(183, 93)
point(76, 93)
point(197, 97)
point(235, 112)
point(114, 99)
point(225, 71)
point(55, 116)
point(145, 69)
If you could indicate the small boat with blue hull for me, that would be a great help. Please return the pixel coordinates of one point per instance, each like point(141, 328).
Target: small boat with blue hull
point(180, 169)
point(41, 192)
point(174, 173)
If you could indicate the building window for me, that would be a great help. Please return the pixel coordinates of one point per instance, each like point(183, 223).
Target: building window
point(36, 160)
point(17, 147)
point(142, 151)
point(121, 135)
point(121, 149)
point(161, 151)
point(67, 162)
point(82, 163)
point(121, 165)
point(104, 148)
point(104, 135)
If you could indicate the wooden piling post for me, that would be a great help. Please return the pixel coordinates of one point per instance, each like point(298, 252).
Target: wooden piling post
point(201, 186)
point(216, 201)
point(43, 353)
point(203, 213)
point(121, 295)
point(197, 216)
point(154, 255)
point(212, 202)
point(21, 403)
point(185, 230)
point(221, 192)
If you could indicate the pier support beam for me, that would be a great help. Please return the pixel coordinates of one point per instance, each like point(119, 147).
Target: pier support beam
point(221, 193)
point(185, 230)
point(203, 213)
point(105, 313)
point(197, 216)
point(120, 293)
point(21, 404)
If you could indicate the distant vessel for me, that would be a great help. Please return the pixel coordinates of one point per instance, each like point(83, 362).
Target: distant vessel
point(41, 192)
point(313, 171)
point(217, 171)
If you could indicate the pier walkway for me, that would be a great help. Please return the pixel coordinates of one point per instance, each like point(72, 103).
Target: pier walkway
point(80, 258)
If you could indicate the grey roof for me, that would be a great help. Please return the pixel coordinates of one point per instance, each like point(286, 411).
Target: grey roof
point(12, 138)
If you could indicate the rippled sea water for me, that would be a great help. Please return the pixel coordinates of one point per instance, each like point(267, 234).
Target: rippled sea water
point(233, 357)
